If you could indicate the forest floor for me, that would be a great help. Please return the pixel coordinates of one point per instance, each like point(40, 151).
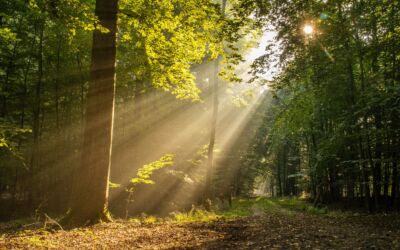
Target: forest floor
point(250, 224)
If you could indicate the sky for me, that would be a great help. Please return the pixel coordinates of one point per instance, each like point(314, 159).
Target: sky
point(267, 38)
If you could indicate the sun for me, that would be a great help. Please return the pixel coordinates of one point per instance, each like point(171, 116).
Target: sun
point(308, 29)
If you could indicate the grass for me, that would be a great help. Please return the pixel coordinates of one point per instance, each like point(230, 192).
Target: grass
point(246, 207)
point(298, 205)
point(196, 216)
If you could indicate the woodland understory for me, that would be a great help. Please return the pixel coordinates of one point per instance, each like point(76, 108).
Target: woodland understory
point(249, 224)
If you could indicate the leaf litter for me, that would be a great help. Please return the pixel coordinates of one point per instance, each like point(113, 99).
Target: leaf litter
point(270, 230)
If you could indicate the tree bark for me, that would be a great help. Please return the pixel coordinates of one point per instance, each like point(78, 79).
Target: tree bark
point(90, 189)
point(210, 153)
point(82, 90)
point(377, 171)
point(395, 185)
point(57, 85)
point(34, 161)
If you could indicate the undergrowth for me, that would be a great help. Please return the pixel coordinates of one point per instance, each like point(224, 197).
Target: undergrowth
point(247, 207)
point(241, 207)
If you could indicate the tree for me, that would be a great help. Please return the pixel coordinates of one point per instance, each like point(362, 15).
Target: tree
point(332, 99)
point(45, 64)
point(90, 190)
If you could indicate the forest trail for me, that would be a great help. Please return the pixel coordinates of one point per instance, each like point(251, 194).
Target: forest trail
point(278, 229)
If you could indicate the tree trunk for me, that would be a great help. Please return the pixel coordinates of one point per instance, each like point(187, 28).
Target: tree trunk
point(82, 90)
point(364, 176)
point(284, 174)
point(24, 94)
point(386, 179)
point(395, 185)
point(377, 171)
point(34, 163)
point(208, 182)
point(90, 189)
point(278, 174)
point(210, 153)
point(56, 85)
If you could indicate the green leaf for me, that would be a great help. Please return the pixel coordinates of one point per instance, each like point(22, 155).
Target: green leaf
point(144, 173)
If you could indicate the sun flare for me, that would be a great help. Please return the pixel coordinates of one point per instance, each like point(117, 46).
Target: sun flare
point(308, 29)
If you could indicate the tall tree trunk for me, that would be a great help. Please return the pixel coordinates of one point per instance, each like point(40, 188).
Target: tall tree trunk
point(57, 83)
point(395, 184)
point(21, 124)
point(34, 163)
point(82, 90)
point(24, 95)
point(362, 152)
point(279, 174)
point(90, 189)
point(377, 171)
point(364, 175)
point(285, 169)
point(210, 153)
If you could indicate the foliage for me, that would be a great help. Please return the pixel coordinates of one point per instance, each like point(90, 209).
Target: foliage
point(144, 173)
point(332, 131)
point(45, 53)
point(243, 207)
point(113, 185)
point(168, 37)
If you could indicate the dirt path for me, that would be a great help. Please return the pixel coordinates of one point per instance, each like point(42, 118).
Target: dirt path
point(274, 230)
point(301, 231)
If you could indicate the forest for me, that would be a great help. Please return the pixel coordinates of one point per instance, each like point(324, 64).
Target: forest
point(199, 124)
